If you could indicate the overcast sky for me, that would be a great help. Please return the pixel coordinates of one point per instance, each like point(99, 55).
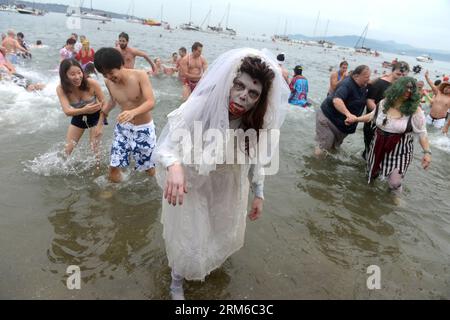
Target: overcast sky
point(420, 23)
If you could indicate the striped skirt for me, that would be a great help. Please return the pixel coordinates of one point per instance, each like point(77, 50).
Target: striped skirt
point(389, 152)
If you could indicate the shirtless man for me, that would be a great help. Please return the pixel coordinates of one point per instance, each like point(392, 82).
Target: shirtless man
point(182, 53)
point(135, 131)
point(440, 103)
point(12, 47)
point(5, 65)
point(337, 76)
point(129, 54)
point(192, 66)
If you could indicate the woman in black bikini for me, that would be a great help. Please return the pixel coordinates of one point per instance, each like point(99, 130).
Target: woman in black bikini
point(82, 99)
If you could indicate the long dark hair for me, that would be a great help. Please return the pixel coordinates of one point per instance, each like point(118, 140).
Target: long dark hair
point(66, 84)
point(257, 69)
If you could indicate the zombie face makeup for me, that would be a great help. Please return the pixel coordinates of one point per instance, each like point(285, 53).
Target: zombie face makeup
point(409, 91)
point(244, 94)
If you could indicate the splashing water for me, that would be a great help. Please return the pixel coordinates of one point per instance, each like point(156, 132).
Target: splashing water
point(55, 162)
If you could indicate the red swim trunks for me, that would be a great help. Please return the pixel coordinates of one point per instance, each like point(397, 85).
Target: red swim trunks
point(191, 84)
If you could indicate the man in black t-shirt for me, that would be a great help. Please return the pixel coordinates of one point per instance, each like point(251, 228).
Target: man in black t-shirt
point(347, 102)
point(376, 92)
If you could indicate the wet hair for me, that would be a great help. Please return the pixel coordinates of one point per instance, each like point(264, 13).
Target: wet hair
point(401, 65)
point(196, 45)
point(437, 82)
point(174, 54)
point(39, 42)
point(397, 90)
point(66, 84)
point(183, 49)
point(257, 69)
point(125, 36)
point(359, 69)
point(107, 59)
point(71, 41)
point(343, 63)
point(20, 35)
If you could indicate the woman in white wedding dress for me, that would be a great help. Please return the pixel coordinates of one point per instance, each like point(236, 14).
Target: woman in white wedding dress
point(205, 190)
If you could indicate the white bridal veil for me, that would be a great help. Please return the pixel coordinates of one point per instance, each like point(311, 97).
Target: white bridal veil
point(208, 107)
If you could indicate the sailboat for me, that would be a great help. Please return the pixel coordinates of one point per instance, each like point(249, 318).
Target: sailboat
point(362, 39)
point(229, 31)
point(324, 43)
point(210, 29)
point(190, 25)
point(164, 24)
point(30, 11)
point(7, 7)
point(314, 43)
point(87, 15)
point(282, 37)
point(130, 15)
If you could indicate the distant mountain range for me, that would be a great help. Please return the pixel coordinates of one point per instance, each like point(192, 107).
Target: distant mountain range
point(386, 46)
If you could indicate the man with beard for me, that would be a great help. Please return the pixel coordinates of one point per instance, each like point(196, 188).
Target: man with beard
point(129, 54)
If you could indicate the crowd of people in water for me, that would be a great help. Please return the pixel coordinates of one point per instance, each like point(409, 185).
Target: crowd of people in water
point(244, 89)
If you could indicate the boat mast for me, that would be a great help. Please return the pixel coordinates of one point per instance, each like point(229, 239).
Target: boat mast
point(326, 30)
point(190, 14)
point(315, 27)
point(365, 34)
point(278, 25)
point(130, 12)
point(362, 37)
point(228, 15)
point(206, 18)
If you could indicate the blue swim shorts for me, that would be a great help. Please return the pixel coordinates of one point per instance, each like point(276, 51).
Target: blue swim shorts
point(139, 141)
